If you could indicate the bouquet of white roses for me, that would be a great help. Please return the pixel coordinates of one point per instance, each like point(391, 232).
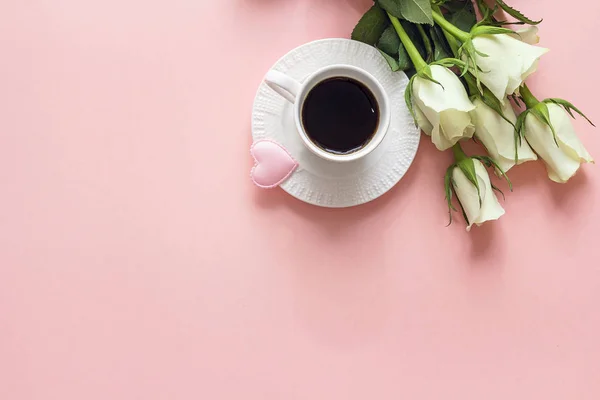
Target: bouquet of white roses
point(463, 75)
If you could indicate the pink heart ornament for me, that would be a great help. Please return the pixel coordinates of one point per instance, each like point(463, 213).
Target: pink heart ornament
point(274, 164)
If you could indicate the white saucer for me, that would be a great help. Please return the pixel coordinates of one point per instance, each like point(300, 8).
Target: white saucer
point(325, 183)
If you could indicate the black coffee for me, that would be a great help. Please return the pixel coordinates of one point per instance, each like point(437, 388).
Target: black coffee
point(340, 115)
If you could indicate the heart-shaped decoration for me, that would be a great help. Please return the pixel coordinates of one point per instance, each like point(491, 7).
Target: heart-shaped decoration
point(274, 164)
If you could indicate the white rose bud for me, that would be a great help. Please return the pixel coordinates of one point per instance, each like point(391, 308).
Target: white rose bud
point(442, 110)
point(477, 212)
point(508, 63)
point(498, 136)
point(562, 161)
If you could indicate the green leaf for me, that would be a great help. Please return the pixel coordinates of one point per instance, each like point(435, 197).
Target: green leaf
point(494, 187)
point(415, 37)
point(448, 189)
point(569, 107)
point(416, 11)
point(519, 133)
point(391, 6)
point(371, 26)
point(451, 5)
point(440, 44)
point(467, 51)
point(463, 16)
point(389, 41)
point(404, 59)
point(393, 50)
point(393, 63)
point(542, 113)
point(408, 97)
point(487, 15)
point(489, 162)
point(464, 213)
point(516, 13)
point(454, 186)
point(467, 166)
point(492, 102)
point(426, 73)
point(483, 7)
point(520, 125)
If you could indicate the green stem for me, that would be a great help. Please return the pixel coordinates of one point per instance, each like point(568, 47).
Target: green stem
point(458, 152)
point(412, 51)
point(448, 27)
point(528, 97)
point(426, 42)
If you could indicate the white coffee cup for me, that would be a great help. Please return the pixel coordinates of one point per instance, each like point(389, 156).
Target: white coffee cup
point(296, 93)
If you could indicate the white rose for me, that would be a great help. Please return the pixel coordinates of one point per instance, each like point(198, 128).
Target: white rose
point(528, 35)
point(498, 136)
point(442, 111)
point(508, 63)
point(562, 161)
point(477, 212)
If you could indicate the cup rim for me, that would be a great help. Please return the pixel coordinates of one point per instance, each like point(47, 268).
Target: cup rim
point(384, 112)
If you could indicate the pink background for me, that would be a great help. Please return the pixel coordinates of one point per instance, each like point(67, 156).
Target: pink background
point(137, 261)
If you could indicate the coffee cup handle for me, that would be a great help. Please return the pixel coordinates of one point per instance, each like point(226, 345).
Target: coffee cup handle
point(286, 87)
